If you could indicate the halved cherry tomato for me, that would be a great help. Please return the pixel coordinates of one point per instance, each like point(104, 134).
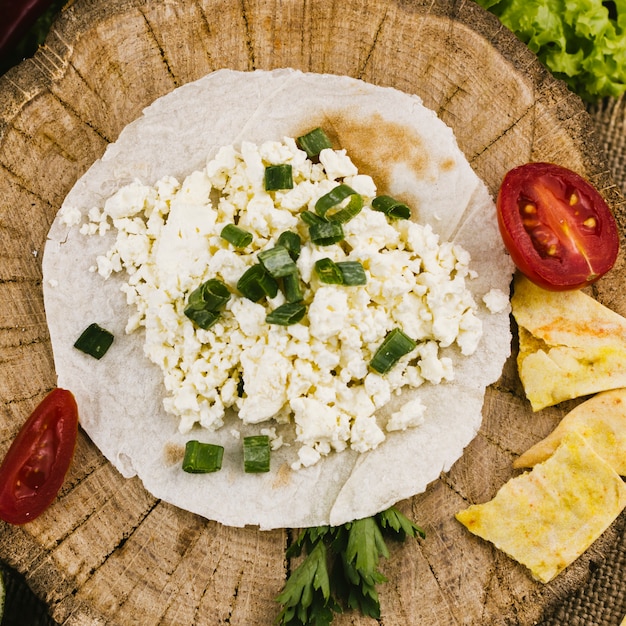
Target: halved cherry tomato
point(559, 231)
point(35, 465)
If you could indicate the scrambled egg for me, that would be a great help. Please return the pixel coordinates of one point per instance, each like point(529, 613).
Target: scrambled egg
point(313, 374)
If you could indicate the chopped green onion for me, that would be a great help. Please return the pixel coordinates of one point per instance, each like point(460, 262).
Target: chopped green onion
point(286, 314)
point(204, 303)
point(328, 272)
point(211, 295)
point(395, 345)
point(292, 287)
point(292, 242)
point(94, 341)
point(391, 207)
point(202, 458)
point(314, 142)
point(278, 177)
point(256, 283)
point(202, 318)
point(277, 261)
point(256, 454)
point(326, 233)
point(347, 273)
point(310, 218)
point(330, 206)
point(236, 236)
point(352, 273)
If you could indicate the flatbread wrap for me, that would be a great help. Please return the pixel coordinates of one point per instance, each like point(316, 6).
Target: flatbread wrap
point(410, 155)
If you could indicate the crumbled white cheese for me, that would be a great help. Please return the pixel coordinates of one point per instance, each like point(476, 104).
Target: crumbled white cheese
point(496, 301)
point(276, 441)
point(337, 164)
point(70, 215)
point(410, 415)
point(314, 374)
point(365, 434)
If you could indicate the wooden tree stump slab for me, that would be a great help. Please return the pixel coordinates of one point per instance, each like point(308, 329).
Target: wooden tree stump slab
point(107, 551)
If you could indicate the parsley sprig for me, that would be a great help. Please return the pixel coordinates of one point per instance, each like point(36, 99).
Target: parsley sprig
point(340, 569)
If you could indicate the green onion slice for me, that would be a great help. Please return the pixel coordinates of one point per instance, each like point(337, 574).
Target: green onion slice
point(330, 206)
point(211, 295)
point(326, 233)
point(328, 272)
point(278, 177)
point(236, 236)
point(204, 303)
point(256, 283)
point(352, 273)
point(286, 314)
point(314, 142)
point(291, 242)
point(277, 261)
point(202, 318)
point(202, 458)
point(310, 218)
point(395, 345)
point(94, 341)
point(391, 207)
point(292, 287)
point(256, 454)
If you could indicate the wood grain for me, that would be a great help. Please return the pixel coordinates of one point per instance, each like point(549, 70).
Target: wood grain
point(107, 552)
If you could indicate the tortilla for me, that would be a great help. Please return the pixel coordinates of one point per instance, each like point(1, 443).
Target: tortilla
point(570, 344)
point(601, 420)
point(410, 154)
point(546, 518)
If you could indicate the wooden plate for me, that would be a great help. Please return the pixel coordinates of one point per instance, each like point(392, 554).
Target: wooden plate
point(107, 551)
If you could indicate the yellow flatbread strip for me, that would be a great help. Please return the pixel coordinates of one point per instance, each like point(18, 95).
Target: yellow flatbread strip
point(601, 420)
point(570, 344)
point(546, 518)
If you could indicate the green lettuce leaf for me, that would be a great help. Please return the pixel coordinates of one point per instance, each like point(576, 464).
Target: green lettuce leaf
point(582, 42)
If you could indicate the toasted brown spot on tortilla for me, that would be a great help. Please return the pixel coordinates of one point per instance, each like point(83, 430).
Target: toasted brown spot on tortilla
point(173, 454)
point(447, 165)
point(377, 146)
point(283, 476)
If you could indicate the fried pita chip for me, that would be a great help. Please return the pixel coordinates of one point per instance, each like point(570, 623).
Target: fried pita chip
point(570, 344)
point(546, 518)
point(601, 420)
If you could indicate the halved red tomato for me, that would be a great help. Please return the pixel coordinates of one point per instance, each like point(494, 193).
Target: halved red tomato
point(35, 465)
point(558, 229)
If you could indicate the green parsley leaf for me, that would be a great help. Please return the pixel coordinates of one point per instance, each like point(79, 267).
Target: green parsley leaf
point(365, 547)
point(306, 597)
point(351, 553)
point(401, 525)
